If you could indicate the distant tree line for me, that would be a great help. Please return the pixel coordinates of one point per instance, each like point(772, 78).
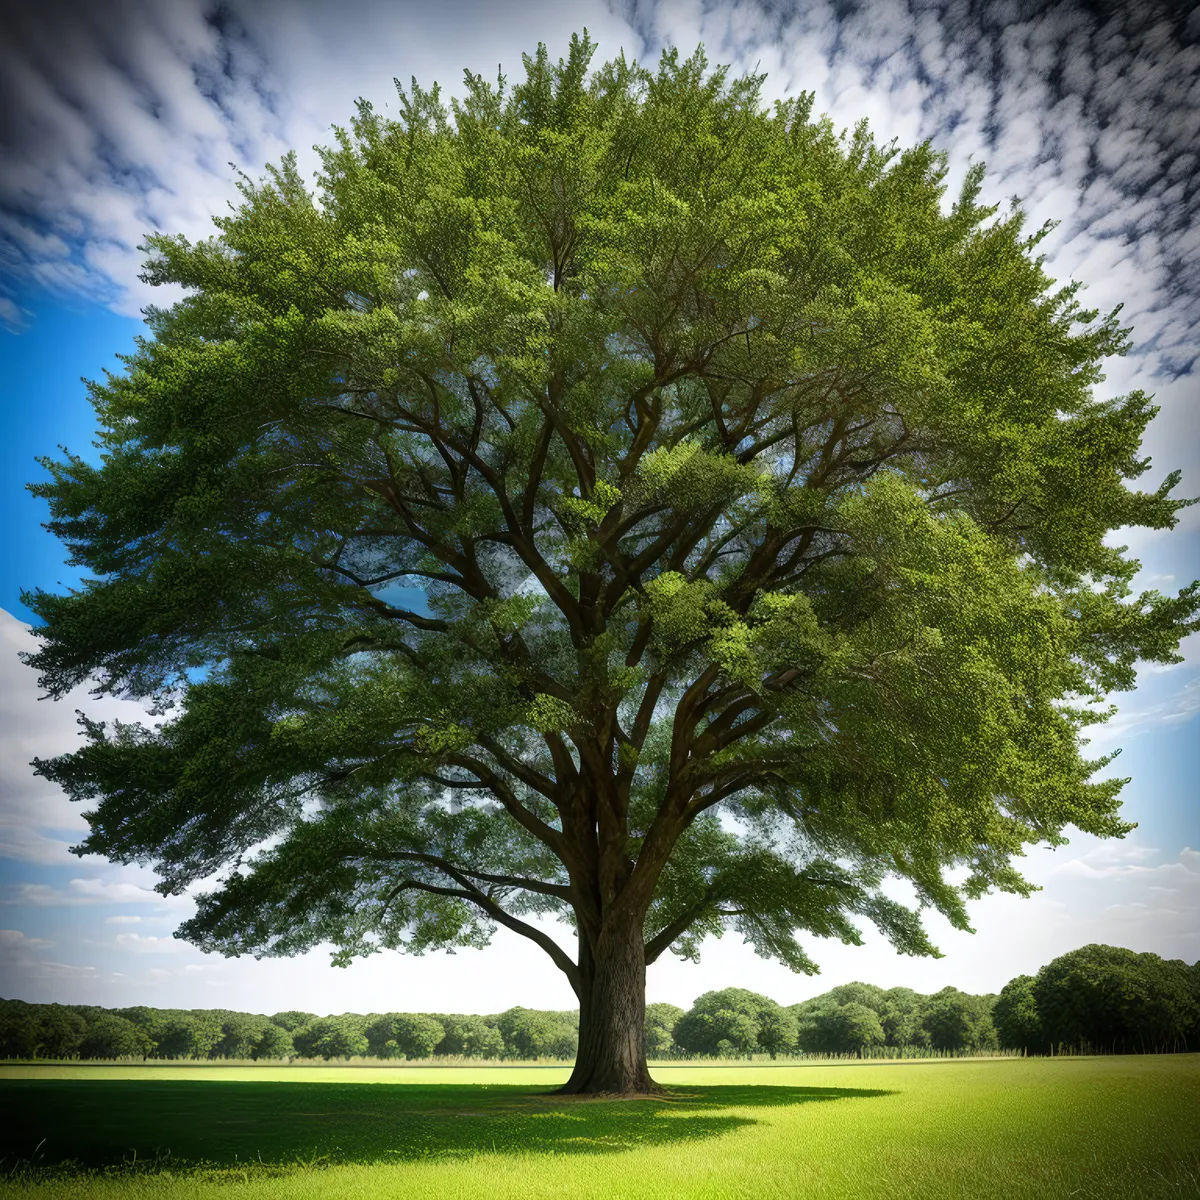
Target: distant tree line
point(1099, 999)
point(854, 1019)
point(85, 1031)
point(1105, 1000)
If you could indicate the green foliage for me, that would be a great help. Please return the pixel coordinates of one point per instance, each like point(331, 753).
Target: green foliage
point(470, 1037)
point(60, 1032)
point(610, 451)
point(331, 1037)
point(18, 1029)
point(530, 1033)
point(735, 1021)
point(955, 1020)
point(110, 1036)
point(1117, 1001)
point(777, 1031)
point(417, 1034)
point(900, 1013)
point(275, 1042)
point(381, 1038)
point(1098, 998)
point(140, 1014)
point(660, 1022)
point(832, 1028)
point(240, 1035)
point(857, 1018)
point(404, 1035)
point(39, 1030)
point(293, 1020)
point(186, 1035)
point(874, 998)
point(1015, 1016)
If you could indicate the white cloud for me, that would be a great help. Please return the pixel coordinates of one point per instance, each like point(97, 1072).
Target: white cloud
point(24, 971)
point(18, 841)
point(32, 895)
point(1118, 861)
point(13, 317)
point(1168, 697)
point(91, 891)
point(33, 810)
point(34, 817)
point(14, 939)
point(115, 891)
point(149, 944)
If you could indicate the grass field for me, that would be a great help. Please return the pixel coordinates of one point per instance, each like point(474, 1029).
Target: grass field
point(1011, 1128)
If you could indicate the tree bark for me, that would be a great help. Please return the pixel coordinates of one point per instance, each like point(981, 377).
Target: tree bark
point(612, 1010)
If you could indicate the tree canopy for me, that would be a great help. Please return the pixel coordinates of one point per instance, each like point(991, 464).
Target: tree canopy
point(610, 497)
point(1109, 999)
point(1015, 1016)
point(735, 1020)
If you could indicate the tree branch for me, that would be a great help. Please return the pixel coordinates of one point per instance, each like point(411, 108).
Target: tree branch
point(455, 871)
point(544, 833)
point(557, 955)
point(666, 937)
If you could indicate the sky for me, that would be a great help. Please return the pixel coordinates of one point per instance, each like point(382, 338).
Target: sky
point(120, 119)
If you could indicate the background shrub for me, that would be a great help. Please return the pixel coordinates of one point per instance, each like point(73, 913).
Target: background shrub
point(536, 1033)
point(332, 1037)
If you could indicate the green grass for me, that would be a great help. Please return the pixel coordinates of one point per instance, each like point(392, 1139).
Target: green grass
point(1084, 1127)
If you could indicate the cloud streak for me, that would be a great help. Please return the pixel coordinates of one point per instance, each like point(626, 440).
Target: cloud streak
point(122, 120)
point(21, 963)
point(90, 891)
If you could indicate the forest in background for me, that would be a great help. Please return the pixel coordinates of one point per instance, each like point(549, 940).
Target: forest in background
point(1100, 999)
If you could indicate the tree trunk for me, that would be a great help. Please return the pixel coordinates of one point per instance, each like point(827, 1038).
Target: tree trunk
point(612, 1011)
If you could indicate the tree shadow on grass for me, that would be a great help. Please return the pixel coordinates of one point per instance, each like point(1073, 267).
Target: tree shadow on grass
point(52, 1125)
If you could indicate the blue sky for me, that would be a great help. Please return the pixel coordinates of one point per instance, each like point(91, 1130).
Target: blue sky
point(66, 339)
point(112, 126)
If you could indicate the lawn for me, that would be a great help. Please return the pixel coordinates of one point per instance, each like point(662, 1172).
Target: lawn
point(1011, 1128)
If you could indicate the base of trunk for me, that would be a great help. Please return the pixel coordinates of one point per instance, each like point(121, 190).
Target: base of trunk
point(639, 1087)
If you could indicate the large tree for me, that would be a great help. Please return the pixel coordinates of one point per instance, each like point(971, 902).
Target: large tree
point(607, 497)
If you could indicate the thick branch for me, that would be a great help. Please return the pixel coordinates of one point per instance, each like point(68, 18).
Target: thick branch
point(456, 871)
point(666, 937)
point(544, 833)
point(514, 766)
point(557, 954)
